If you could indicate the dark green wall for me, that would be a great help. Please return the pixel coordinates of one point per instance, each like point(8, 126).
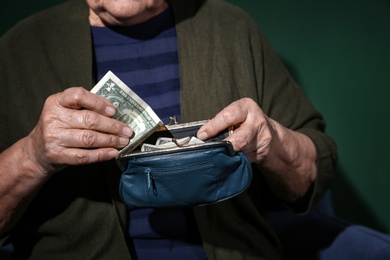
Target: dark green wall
point(13, 11)
point(339, 52)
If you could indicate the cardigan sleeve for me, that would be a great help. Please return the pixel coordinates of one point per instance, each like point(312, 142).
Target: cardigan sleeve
point(225, 57)
point(283, 100)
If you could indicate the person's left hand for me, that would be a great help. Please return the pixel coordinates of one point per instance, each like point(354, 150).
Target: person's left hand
point(253, 130)
point(287, 158)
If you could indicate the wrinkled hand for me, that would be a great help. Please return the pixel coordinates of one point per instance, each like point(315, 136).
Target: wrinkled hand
point(253, 131)
point(287, 158)
point(75, 128)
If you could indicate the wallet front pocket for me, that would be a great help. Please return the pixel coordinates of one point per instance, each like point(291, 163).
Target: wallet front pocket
point(187, 177)
point(187, 185)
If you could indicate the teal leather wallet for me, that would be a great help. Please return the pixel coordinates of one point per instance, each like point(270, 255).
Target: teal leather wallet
point(187, 176)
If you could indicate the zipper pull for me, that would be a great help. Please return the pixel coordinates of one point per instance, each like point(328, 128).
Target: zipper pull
point(151, 182)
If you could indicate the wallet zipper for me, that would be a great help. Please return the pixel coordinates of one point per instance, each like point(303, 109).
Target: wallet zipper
point(151, 183)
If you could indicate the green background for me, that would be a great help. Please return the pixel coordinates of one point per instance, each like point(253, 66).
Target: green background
point(339, 51)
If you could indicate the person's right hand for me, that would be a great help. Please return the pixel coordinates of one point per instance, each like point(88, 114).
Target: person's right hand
point(75, 128)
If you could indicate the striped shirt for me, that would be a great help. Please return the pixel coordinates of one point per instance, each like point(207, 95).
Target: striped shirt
point(145, 57)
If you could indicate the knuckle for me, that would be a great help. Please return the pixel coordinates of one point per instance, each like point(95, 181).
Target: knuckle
point(88, 138)
point(100, 103)
point(116, 128)
point(248, 100)
point(49, 139)
point(113, 141)
point(77, 94)
point(81, 157)
point(228, 116)
point(91, 120)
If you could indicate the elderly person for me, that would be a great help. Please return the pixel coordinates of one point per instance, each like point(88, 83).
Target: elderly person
point(202, 59)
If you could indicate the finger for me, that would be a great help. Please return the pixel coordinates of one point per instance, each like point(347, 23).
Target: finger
point(91, 139)
point(253, 138)
point(74, 156)
point(80, 98)
point(232, 115)
point(241, 137)
point(251, 134)
point(86, 119)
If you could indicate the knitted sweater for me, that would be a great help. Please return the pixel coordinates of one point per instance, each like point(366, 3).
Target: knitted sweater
point(223, 57)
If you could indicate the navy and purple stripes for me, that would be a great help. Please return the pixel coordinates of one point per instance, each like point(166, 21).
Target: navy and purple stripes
point(145, 57)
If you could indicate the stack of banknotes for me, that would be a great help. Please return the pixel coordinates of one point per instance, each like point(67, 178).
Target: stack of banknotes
point(136, 113)
point(167, 142)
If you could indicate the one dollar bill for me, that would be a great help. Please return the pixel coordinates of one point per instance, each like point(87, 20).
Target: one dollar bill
point(130, 109)
point(163, 143)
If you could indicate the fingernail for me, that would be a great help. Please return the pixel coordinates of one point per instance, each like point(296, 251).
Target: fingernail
point(110, 110)
point(127, 131)
point(113, 153)
point(124, 141)
point(202, 135)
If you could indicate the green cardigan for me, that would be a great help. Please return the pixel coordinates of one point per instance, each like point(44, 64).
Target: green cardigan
point(223, 57)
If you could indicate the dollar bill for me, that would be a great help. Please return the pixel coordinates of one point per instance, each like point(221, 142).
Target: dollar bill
point(166, 143)
point(163, 140)
point(151, 147)
point(130, 109)
point(182, 141)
